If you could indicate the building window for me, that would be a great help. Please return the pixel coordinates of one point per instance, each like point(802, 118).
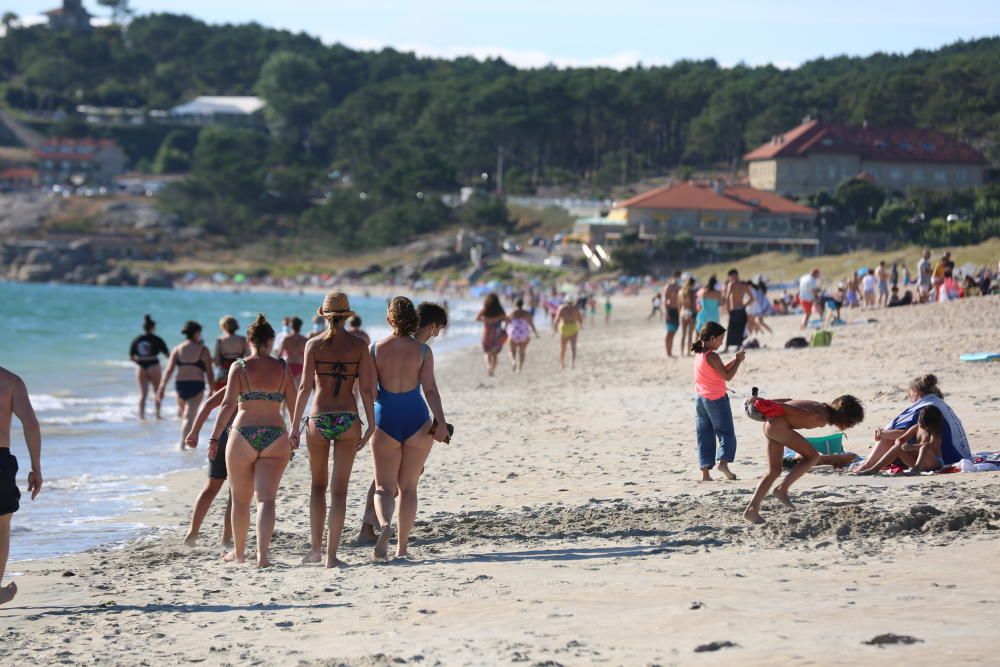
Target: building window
point(941, 176)
point(896, 174)
point(918, 174)
point(961, 175)
point(831, 170)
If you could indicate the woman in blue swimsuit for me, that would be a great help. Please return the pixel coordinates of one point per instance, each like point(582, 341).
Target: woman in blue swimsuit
point(403, 434)
point(259, 448)
point(339, 367)
point(193, 364)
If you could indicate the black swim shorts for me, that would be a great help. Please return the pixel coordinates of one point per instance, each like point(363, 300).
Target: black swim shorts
point(10, 496)
point(217, 468)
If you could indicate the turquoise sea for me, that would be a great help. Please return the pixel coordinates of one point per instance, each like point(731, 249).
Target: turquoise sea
point(70, 344)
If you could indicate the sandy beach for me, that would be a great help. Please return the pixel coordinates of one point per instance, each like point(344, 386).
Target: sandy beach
point(564, 526)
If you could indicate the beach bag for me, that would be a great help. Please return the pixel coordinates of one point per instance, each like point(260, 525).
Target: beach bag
point(796, 342)
point(821, 339)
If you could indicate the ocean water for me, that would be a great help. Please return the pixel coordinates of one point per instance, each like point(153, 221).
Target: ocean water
point(70, 344)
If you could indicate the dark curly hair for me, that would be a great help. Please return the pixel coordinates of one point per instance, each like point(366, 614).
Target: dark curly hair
point(402, 316)
point(191, 329)
point(708, 330)
point(260, 331)
point(846, 411)
point(931, 420)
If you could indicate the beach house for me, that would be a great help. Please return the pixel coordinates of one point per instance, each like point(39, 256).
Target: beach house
point(77, 162)
point(717, 216)
point(241, 111)
point(816, 156)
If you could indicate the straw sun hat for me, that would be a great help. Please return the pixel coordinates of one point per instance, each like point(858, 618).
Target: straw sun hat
point(335, 304)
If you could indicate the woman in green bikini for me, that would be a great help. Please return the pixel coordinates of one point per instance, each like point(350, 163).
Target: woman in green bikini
point(259, 448)
point(338, 366)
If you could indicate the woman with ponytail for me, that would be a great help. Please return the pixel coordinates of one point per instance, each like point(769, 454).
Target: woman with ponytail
point(145, 353)
point(340, 369)
point(713, 414)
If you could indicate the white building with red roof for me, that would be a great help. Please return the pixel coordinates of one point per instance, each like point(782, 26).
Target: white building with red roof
point(815, 156)
point(77, 162)
point(715, 215)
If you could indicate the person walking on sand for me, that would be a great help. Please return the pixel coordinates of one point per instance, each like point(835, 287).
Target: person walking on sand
point(228, 348)
point(14, 402)
point(672, 304)
point(259, 448)
point(924, 277)
point(657, 310)
point(689, 307)
point(781, 418)
point(339, 368)
point(432, 321)
point(882, 276)
point(809, 294)
point(737, 296)
point(713, 414)
point(194, 372)
point(405, 431)
point(521, 327)
point(293, 349)
point(607, 310)
point(709, 299)
point(354, 328)
point(217, 475)
point(493, 317)
point(145, 352)
point(568, 323)
point(869, 283)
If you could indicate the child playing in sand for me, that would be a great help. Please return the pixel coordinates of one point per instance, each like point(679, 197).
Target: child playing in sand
point(714, 416)
point(922, 455)
point(781, 417)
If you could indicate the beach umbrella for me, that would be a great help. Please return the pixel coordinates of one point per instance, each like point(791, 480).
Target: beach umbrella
point(240, 277)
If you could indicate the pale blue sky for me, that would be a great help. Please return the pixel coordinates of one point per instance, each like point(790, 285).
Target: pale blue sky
point(617, 33)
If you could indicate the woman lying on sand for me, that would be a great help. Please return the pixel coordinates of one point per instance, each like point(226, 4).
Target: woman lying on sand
point(781, 417)
point(924, 392)
point(259, 449)
point(339, 367)
point(404, 434)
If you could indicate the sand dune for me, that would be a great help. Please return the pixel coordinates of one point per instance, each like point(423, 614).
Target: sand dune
point(564, 526)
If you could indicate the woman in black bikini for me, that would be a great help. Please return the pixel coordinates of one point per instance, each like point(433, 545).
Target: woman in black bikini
point(339, 367)
point(145, 352)
point(194, 373)
point(228, 348)
point(259, 448)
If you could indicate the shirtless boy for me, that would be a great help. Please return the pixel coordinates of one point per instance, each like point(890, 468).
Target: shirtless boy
point(14, 401)
point(781, 419)
point(672, 304)
point(736, 296)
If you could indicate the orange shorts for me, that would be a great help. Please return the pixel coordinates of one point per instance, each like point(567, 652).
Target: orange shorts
point(807, 306)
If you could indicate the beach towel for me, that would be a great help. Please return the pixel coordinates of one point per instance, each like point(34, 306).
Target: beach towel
point(954, 442)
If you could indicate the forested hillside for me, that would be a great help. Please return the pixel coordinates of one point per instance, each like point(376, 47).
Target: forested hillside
point(399, 124)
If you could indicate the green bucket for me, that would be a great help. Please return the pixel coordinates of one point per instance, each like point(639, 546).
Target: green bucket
point(824, 444)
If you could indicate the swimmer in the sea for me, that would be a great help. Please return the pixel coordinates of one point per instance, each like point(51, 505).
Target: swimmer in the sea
point(781, 418)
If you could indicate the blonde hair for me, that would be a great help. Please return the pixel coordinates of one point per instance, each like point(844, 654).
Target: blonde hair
point(229, 324)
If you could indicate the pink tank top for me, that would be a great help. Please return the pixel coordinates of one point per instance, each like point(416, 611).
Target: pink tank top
point(707, 382)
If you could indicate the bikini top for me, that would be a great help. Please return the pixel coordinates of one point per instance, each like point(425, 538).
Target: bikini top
point(338, 370)
point(424, 349)
point(250, 395)
point(200, 363)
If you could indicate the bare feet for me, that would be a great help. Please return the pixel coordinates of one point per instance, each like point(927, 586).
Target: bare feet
point(232, 557)
point(314, 556)
point(227, 545)
point(783, 498)
point(367, 534)
point(263, 561)
point(705, 477)
point(191, 539)
point(336, 562)
point(8, 592)
point(753, 516)
point(381, 551)
point(724, 469)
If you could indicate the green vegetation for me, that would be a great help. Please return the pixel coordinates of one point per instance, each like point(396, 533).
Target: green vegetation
point(361, 144)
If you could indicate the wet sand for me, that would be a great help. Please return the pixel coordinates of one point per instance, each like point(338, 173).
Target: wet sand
point(565, 526)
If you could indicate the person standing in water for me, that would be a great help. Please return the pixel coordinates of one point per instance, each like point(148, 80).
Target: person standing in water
point(521, 326)
point(194, 373)
point(217, 475)
point(737, 296)
point(568, 323)
point(672, 303)
point(293, 350)
point(432, 322)
point(339, 368)
point(259, 448)
point(145, 353)
point(493, 317)
point(228, 348)
point(14, 402)
point(714, 415)
point(405, 430)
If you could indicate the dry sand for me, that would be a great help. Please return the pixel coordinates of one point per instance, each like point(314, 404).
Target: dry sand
point(564, 526)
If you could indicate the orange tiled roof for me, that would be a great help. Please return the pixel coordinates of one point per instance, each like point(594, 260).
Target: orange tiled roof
point(19, 174)
point(692, 195)
point(907, 144)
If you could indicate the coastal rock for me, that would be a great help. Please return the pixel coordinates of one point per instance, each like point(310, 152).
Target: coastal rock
point(117, 277)
point(441, 260)
point(36, 273)
point(154, 279)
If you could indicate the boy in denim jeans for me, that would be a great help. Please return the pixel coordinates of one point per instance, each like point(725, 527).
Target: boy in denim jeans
point(714, 419)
